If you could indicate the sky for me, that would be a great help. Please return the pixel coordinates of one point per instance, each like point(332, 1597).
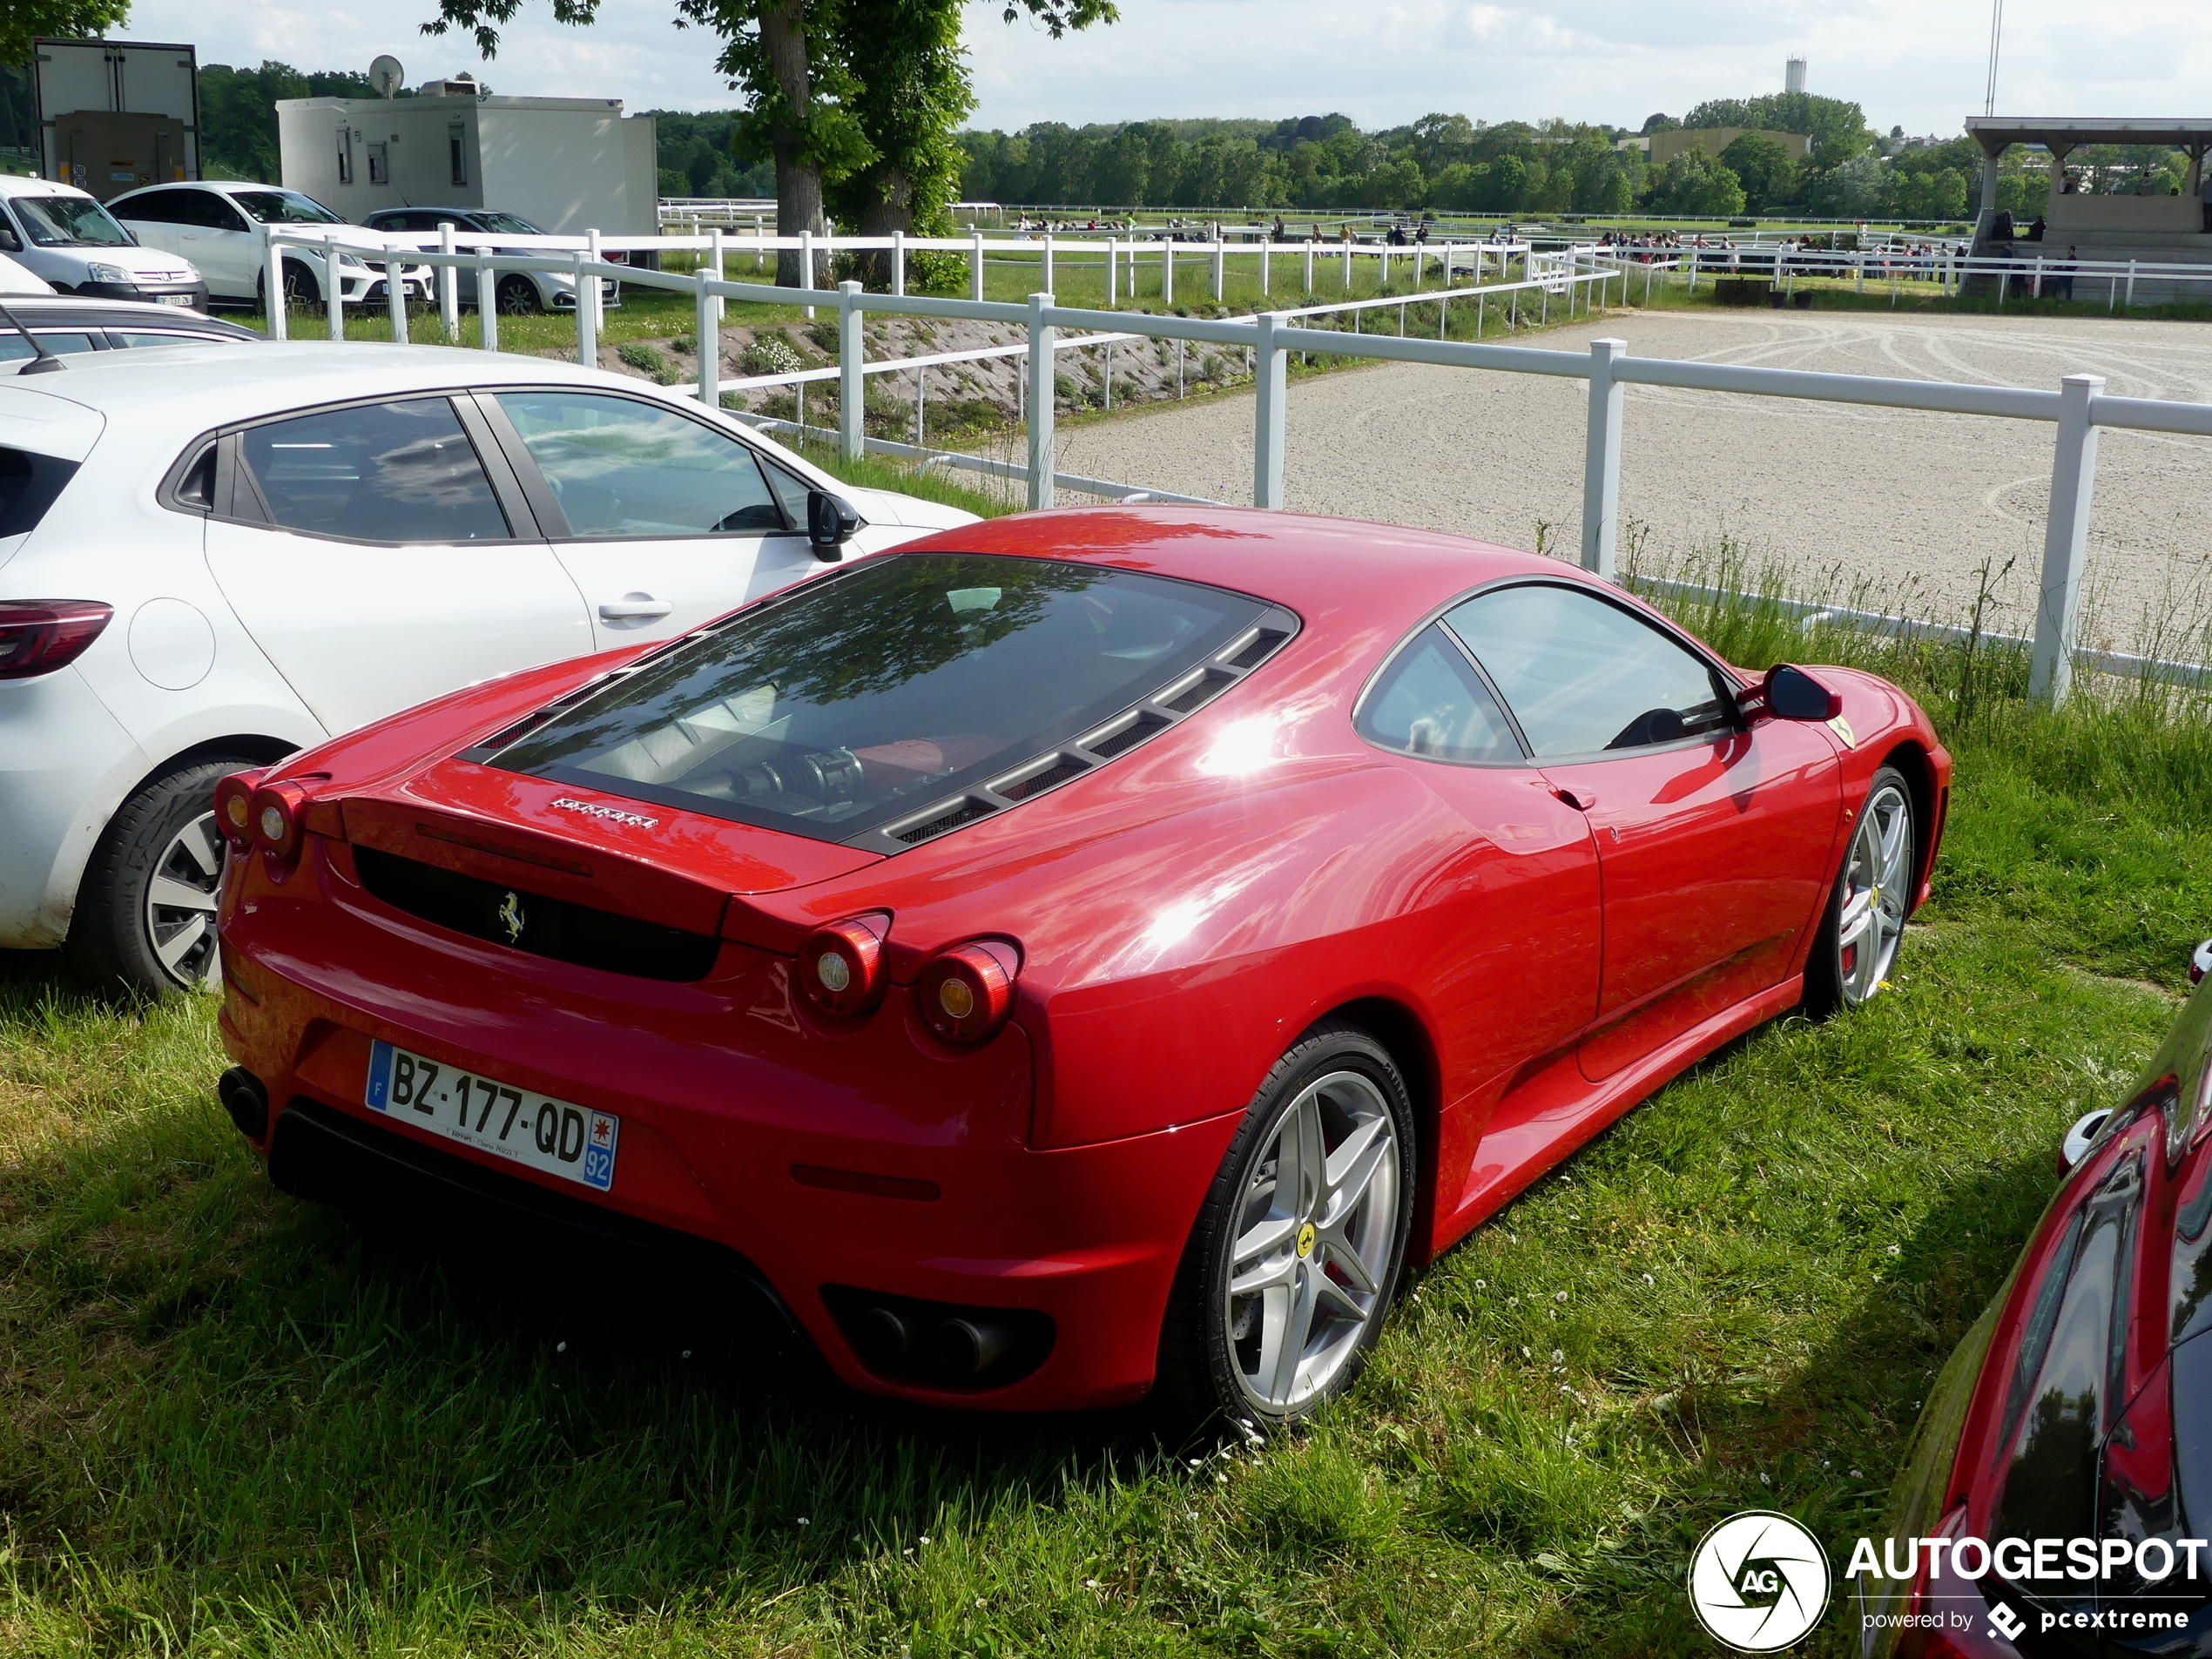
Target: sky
point(1920, 65)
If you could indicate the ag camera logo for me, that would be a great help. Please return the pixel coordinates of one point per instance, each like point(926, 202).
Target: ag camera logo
point(1758, 1581)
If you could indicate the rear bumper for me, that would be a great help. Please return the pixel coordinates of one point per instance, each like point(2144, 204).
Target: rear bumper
point(194, 295)
point(724, 1094)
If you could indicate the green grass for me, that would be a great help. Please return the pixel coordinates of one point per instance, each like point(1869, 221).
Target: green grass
point(230, 1424)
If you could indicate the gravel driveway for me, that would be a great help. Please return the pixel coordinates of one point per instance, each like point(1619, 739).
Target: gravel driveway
point(1902, 506)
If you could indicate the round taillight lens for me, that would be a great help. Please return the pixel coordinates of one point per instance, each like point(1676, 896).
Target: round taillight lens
point(966, 993)
point(234, 807)
point(276, 812)
point(840, 965)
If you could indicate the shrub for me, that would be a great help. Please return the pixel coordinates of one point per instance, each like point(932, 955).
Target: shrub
point(685, 345)
point(770, 354)
point(1064, 386)
point(823, 332)
point(639, 355)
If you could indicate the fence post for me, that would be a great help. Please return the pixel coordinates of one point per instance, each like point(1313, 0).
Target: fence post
point(1347, 267)
point(273, 304)
point(2131, 284)
point(334, 288)
point(1266, 249)
point(1047, 263)
point(587, 325)
point(1270, 378)
point(448, 288)
point(2066, 539)
point(706, 335)
point(1220, 267)
point(852, 399)
point(395, 297)
point(599, 312)
point(806, 269)
point(1167, 268)
point(1113, 270)
point(487, 302)
point(898, 261)
point(1306, 287)
point(975, 265)
point(1042, 465)
point(1601, 461)
point(719, 253)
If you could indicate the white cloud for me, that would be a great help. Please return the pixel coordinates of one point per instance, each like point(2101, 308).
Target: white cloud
point(1907, 62)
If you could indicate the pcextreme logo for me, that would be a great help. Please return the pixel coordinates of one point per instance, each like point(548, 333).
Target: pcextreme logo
point(1758, 1581)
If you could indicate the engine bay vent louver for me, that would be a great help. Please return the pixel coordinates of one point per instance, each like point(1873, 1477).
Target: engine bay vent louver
point(1131, 727)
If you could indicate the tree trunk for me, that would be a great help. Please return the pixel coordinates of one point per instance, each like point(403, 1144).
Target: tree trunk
point(799, 180)
point(890, 207)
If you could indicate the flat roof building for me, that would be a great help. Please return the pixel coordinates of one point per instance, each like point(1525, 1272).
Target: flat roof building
point(567, 164)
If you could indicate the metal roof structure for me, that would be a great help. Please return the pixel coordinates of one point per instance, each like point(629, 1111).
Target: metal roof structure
point(1996, 133)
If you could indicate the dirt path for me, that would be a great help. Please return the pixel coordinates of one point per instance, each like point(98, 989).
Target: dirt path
point(1906, 504)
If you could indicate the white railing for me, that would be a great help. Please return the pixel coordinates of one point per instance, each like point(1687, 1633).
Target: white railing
point(1947, 269)
point(2078, 410)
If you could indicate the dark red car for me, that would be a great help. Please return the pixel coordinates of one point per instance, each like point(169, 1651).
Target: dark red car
point(2059, 1500)
point(1073, 953)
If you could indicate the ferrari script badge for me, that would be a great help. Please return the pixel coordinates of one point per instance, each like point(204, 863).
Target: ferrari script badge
point(511, 917)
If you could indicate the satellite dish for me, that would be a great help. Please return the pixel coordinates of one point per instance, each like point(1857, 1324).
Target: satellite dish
point(386, 75)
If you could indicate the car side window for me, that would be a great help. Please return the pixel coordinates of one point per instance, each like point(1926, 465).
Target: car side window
point(377, 472)
point(1430, 702)
point(118, 337)
point(621, 467)
point(13, 345)
point(157, 207)
point(1582, 675)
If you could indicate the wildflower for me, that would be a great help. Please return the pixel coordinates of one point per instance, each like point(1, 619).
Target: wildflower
point(1896, 1249)
point(1482, 1284)
point(1649, 1280)
point(804, 1521)
point(923, 1539)
point(1558, 1354)
point(1090, 1583)
point(560, 1347)
point(1765, 1482)
point(1558, 1296)
point(1525, 1354)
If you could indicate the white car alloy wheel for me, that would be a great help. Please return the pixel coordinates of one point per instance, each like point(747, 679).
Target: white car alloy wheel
point(1316, 1235)
point(180, 899)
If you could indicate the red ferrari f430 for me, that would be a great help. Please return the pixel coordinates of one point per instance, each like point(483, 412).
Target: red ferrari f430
point(1070, 957)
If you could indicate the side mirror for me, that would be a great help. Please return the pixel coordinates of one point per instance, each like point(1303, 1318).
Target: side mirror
point(831, 522)
point(1789, 693)
point(2078, 1140)
point(9, 242)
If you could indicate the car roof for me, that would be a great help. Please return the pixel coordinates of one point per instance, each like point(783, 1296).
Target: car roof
point(67, 310)
point(14, 184)
point(1346, 572)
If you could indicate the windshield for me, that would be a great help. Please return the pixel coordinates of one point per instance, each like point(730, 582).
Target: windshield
point(875, 692)
point(507, 225)
point(71, 221)
point(285, 207)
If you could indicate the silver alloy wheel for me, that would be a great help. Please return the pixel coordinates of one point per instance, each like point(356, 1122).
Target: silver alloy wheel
point(1878, 883)
point(179, 914)
point(1317, 1229)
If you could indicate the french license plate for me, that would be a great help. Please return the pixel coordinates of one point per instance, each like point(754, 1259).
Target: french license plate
point(575, 1142)
point(173, 300)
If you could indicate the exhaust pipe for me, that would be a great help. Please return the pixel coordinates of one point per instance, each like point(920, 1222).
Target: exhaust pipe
point(246, 1100)
point(883, 1336)
point(965, 1348)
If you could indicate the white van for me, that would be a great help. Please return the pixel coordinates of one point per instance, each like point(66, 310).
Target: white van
point(59, 233)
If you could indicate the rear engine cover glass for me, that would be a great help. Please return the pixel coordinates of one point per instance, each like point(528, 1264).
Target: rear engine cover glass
point(865, 694)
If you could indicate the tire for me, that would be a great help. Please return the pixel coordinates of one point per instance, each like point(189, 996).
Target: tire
point(516, 296)
point(1857, 943)
point(161, 845)
point(1326, 1261)
point(300, 287)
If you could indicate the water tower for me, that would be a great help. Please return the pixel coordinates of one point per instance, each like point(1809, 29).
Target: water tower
point(1793, 76)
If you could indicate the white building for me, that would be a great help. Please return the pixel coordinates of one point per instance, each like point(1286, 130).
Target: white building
point(1793, 75)
point(567, 164)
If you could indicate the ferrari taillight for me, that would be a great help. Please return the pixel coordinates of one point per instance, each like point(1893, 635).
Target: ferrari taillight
point(273, 815)
point(840, 965)
point(234, 807)
point(39, 636)
point(966, 993)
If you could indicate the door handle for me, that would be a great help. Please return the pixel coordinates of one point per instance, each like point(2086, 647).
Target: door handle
point(1580, 800)
point(636, 607)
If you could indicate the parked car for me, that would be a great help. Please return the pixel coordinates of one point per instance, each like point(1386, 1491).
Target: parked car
point(2080, 1406)
point(519, 293)
point(216, 224)
point(1072, 956)
point(66, 238)
point(212, 556)
point(64, 324)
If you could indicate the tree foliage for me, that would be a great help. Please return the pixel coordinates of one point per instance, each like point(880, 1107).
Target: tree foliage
point(23, 21)
point(1838, 128)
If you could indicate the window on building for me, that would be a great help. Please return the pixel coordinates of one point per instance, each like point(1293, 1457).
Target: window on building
point(380, 169)
point(345, 156)
point(457, 152)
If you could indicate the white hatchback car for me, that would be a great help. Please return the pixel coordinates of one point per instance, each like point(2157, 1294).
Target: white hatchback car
point(210, 558)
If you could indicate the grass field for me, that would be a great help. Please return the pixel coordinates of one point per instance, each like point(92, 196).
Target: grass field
point(232, 1424)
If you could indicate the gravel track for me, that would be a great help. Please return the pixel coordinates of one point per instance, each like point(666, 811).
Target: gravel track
point(1899, 506)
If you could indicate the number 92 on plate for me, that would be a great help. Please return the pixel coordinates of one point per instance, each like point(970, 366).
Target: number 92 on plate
point(575, 1142)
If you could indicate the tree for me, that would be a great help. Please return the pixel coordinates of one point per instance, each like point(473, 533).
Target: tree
point(805, 68)
point(1659, 124)
point(1697, 185)
point(21, 21)
point(1838, 128)
point(1768, 174)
